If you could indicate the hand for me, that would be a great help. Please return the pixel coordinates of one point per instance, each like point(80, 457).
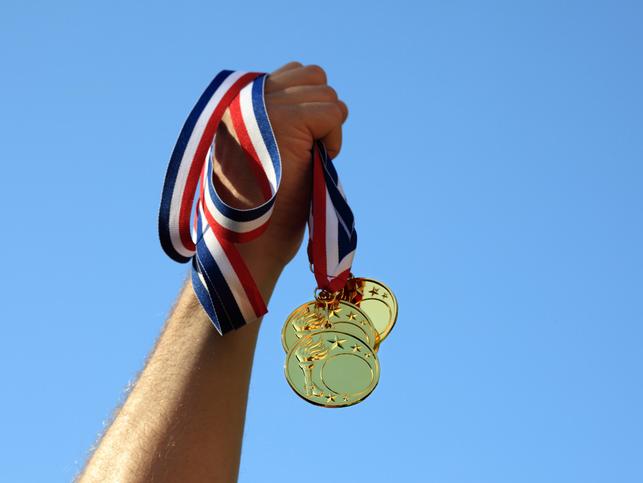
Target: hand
point(302, 107)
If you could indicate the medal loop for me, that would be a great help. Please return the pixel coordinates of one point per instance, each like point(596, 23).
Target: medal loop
point(325, 297)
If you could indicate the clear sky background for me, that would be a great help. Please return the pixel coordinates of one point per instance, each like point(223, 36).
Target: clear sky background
point(493, 158)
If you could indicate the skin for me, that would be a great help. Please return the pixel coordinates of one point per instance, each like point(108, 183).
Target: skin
point(183, 420)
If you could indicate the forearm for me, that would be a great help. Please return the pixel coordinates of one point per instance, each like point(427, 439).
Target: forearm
point(183, 421)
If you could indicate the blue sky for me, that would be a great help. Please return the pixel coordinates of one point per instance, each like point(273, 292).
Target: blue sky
point(493, 158)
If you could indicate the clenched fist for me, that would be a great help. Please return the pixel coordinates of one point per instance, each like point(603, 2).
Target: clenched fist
point(302, 107)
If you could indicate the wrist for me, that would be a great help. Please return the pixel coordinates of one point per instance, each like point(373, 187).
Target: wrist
point(264, 268)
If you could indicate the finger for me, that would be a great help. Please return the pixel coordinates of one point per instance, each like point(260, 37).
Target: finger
point(301, 94)
point(321, 118)
point(299, 76)
point(287, 67)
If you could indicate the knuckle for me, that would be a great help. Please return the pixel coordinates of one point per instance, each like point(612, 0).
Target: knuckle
point(317, 73)
point(344, 108)
point(270, 85)
point(339, 112)
point(330, 93)
point(300, 113)
point(335, 113)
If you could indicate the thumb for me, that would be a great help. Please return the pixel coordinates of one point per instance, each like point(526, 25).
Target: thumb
point(333, 140)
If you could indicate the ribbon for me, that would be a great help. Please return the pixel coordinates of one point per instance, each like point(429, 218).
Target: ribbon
point(222, 282)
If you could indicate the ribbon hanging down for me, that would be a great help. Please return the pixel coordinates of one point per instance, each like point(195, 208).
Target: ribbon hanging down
point(221, 280)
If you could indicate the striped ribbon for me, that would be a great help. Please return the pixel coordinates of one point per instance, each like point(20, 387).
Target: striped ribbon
point(221, 280)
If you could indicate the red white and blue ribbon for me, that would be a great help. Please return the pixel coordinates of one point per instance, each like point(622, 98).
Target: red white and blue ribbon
point(221, 280)
point(331, 227)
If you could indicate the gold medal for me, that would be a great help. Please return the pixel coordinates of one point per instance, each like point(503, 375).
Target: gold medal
point(376, 300)
point(332, 342)
point(332, 315)
point(332, 368)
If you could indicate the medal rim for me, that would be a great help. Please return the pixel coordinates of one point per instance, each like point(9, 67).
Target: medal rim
point(389, 327)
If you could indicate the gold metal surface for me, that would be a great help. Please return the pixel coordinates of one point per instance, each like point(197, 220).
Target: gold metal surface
point(331, 368)
point(376, 300)
point(340, 316)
